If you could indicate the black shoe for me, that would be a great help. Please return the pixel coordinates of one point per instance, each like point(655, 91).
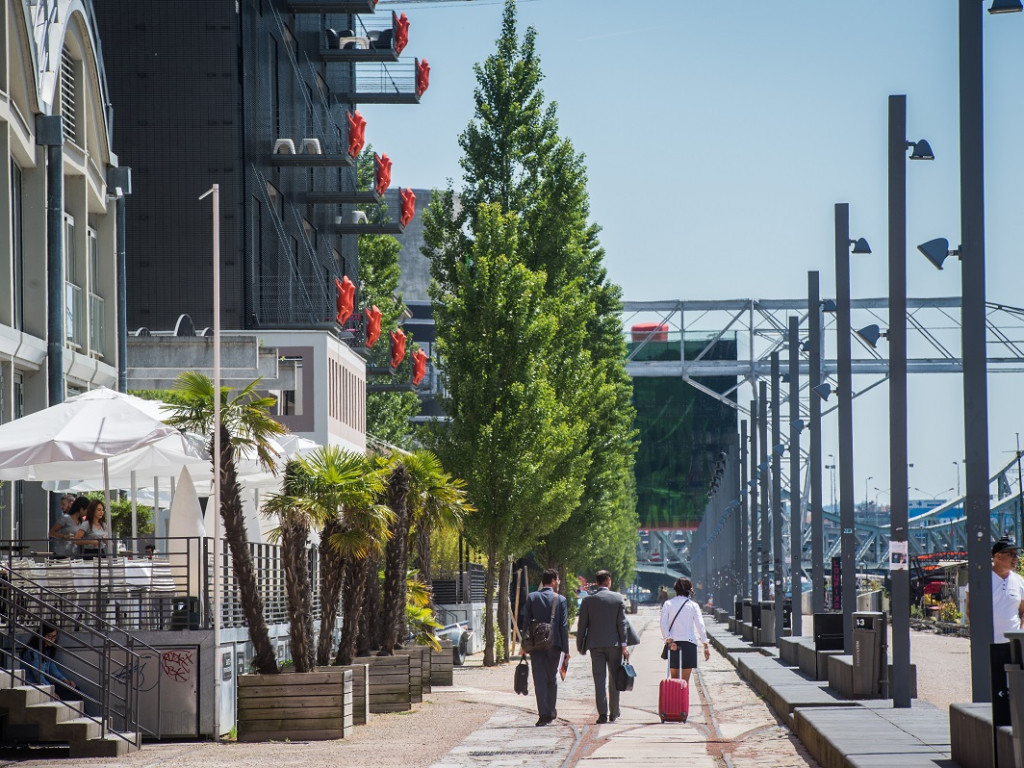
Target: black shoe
point(602, 719)
point(613, 718)
point(542, 721)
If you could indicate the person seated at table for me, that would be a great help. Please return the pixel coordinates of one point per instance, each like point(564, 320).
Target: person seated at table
point(93, 535)
point(41, 668)
point(149, 551)
point(64, 530)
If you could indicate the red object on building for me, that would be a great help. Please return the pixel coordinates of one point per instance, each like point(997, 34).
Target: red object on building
point(397, 347)
point(650, 332)
point(401, 25)
point(373, 316)
point(381, 172)
point(422, 77)
point(419, 366)
point(346, 298)
point(408, 206)
point(356, 133)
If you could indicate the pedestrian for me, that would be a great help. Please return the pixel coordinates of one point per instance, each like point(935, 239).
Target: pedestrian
point(662, 595)
point(64, 530)
point(682, 625)
point(1007, 590)
point(601, 629)
point(545, 663)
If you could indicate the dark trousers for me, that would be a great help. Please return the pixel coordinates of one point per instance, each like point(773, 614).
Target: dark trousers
point(545, 680)
point(605, 663)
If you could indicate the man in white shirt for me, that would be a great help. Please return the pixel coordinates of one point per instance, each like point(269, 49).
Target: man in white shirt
point(1007, 590)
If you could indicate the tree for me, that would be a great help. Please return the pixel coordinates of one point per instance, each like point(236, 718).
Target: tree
point(245, 425)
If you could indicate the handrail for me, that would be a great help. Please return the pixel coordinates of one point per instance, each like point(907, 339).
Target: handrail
point(16, 600)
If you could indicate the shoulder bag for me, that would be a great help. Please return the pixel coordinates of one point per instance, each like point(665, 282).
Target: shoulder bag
point(664, 651)
point(540, 635)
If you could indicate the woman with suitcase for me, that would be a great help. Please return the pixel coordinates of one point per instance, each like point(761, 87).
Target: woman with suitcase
point(682, 625)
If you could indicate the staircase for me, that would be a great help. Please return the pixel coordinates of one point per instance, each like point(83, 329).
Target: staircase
point(31, 715)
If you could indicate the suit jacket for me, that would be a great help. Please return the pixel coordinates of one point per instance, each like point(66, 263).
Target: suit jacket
point(538, 606)
point(602, 621)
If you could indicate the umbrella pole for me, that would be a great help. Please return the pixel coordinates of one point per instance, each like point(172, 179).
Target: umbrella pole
point(106, 498)
point(135, 513)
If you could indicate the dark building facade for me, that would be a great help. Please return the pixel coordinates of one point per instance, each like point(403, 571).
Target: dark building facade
point(258, 96)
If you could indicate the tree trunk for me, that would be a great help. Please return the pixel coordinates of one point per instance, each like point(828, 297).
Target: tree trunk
point(489, 604)
point(369, 630)
point(265, 660)
point(351, 610)
point(503, 613)
point(332, 580)
point(295, 558)
point(423, 558)
point(396, 563)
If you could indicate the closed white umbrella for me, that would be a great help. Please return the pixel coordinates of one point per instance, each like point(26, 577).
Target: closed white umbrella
point(186, 522)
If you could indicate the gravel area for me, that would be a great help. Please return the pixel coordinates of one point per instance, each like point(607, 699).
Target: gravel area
point(943, 667)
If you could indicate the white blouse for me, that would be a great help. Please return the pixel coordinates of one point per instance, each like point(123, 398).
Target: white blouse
point(688, 626)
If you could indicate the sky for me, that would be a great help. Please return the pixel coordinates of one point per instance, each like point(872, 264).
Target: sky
point(718, 138)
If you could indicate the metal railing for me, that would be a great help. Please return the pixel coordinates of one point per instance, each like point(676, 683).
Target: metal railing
point(454, 583)
point(107, 660)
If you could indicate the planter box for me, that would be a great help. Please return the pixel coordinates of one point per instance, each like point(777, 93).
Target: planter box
point(360, 692)
point(441, 664)
point(423, 652)
point(390, 683)
point(315, 706)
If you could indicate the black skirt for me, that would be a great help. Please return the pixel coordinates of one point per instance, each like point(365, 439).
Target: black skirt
point(684, 657)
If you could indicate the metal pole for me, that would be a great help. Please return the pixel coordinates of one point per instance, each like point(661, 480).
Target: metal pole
point(898, 476)
point(796, 537)
point(972, 256)
point(817, 505)
point(741, 513)
point(764, 544)
point(755, 537)
point(845, 394)
point(780, 590)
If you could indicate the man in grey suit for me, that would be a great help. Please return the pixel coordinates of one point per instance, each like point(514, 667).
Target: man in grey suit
point(601, 629)
point(545, 663)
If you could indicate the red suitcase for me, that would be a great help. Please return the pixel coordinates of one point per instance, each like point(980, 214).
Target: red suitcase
point(674, 700)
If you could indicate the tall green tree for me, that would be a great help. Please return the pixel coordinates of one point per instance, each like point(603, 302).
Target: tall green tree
point(245, 424)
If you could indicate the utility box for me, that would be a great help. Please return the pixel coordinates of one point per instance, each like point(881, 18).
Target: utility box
point(870, 657)
point(767, 633)
point(828, 632)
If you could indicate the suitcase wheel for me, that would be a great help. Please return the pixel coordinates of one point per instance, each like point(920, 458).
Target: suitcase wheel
point(662, 719)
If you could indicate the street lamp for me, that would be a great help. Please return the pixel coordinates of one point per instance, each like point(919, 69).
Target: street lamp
point(957, 465)
point(845, 374)
point(867, 480)
point(933, 496)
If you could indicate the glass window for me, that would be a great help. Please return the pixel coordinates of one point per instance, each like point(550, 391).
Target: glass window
point(17, 247)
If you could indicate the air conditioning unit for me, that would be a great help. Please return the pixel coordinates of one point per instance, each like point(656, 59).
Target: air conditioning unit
point(284, 147)
point(311, 147)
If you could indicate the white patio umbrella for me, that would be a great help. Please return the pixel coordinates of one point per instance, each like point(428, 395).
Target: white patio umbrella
point(186, 522)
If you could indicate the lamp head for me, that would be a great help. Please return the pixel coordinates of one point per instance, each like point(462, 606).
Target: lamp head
point(799, 424)
point(936, 251)
point(860, 245)
point(922, 150)
point(823, 390)
point(870, 334)
point(779, 449)
point(1006, 6)
point(828, 305)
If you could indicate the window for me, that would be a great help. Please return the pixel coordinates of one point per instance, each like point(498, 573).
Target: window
point(68, 95)
point(94, 262)
point(17, 247)
point(69, 250)
point(275, 90)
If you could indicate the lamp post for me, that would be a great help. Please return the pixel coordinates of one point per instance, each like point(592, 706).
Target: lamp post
point(755, 539)
point(764, 544)
point(814, 403)
point(845, 376)
point(957, 465)
point(867, 505)
point(780, 595)
point(796, 538)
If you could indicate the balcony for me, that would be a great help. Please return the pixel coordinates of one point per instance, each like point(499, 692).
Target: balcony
point(97, 326)
point(332, 6)
point(311, 156)
point(341, 197)
point(383, 41)
point(402, 83)
point(397, 210)
point(74, 316)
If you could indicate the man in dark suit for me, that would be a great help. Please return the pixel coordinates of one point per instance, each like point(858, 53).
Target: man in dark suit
point(545, 663)
point(601, 629)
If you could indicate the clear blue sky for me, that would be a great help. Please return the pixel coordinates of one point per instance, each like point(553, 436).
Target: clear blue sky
point(718, 138)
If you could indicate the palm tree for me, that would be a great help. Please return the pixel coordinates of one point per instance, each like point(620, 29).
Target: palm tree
point(317, 490)
point(396, 557)
point(245, 424)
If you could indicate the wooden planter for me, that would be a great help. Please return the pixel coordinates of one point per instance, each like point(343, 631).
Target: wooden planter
point(419, 654)
point(315, 706)
point(441, 665)
point(360, 692)
point(390, 683)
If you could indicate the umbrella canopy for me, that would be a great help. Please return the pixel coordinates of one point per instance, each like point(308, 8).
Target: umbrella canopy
point(186, 522)
point(99, 426)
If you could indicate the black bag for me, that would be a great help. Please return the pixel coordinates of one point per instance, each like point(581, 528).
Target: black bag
point(540, 635)
point(521, 682)
point(624, 677)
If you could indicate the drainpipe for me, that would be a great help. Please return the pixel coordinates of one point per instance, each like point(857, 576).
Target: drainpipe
point(119, 181)
point(50, 134)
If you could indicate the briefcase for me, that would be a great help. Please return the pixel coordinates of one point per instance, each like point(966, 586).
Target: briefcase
point(625, 676)
point(521, 681)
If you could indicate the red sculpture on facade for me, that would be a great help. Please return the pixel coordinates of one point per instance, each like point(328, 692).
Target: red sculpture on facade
point(397, 347)
point(356, 133)
point(419, 366)
point(381, 172)
point(422, 77)
point(373, 316)
point(408, 206)
point(401, 26)
point(346, 298)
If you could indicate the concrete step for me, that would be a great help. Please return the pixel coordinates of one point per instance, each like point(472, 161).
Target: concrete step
point(24, 696)
point(106, 746)
point(51, 712)
point(76, 730)
point(11, 679)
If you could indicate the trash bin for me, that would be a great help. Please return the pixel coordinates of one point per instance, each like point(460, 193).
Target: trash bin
point(828, 631)
point(737, 609)
point(767, 634)
point(748, 611)
point(787, 613)
point(870, 659)
point(1013, 655)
